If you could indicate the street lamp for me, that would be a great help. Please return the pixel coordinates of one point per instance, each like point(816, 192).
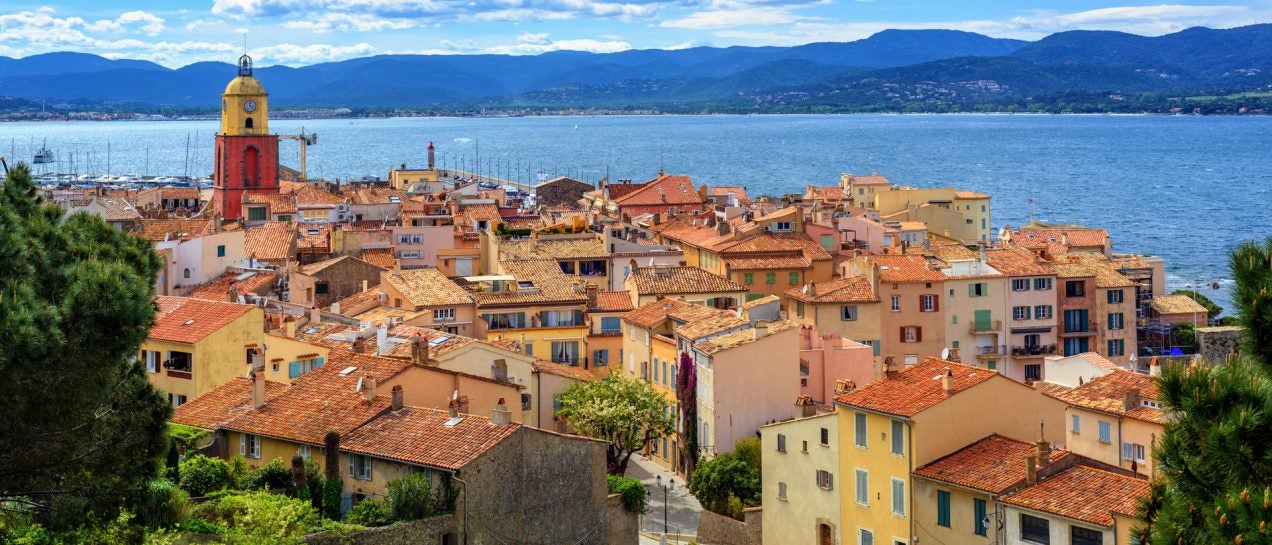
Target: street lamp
point(671, 483)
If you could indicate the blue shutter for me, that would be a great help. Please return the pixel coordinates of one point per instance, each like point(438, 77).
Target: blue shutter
point(293, 369)
point(318, 362)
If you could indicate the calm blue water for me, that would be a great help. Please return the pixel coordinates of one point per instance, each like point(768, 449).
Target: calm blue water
point(1185, 188)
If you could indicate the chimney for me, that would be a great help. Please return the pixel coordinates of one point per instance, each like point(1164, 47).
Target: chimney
point(1155, 368)
point(364, 285)
point(954, 356)
point(315, 316)
point(657, 219)
point(804, 407)
point(381, 338)
point(812, 289)
point(1132, 399)
point(889, 365)
point(592, 290)
point(947, 381)
point(233, 294)
point(368, 388)
point(258, 389)
point(760, 329)
point(289, 328)
point(431, 153)
point(359, 345)
point(500, 416)
point(453, 408)
point(1044, 452)
point(1031, 469)
point(398, 397)
point(419, 350)
point(335, 307)
point(982, 252)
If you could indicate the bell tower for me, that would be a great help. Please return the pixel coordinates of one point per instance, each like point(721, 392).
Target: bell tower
point(246, 153)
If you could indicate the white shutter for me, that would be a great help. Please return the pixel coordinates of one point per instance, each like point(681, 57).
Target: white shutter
point(242, 444)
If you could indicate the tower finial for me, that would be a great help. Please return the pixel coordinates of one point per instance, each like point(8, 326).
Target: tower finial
point(245, 62)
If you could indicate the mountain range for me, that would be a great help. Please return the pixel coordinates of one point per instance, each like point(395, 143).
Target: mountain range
point(891, 70)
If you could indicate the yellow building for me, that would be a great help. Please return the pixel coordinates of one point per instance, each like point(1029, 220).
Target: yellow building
point(605, 338)
point(799, 508)
point(536, 305)
point(197, 345)
point(862, 189)
point(963, 215)
point(685, 283)
point(848, 307)
point(1116, 419)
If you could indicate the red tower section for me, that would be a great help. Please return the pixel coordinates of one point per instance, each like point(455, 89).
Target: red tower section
point(244, 164)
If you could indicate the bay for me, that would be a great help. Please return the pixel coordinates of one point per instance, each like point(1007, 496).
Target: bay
point(1183, 187)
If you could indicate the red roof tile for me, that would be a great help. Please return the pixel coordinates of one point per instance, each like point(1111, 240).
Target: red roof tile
point(853, 289)
point(187, 320)
point(651, 314)
point(420, 436)
point(1107, 394)
point(218, 288)
point(222, 404)
point(567, 371)
point(905, 268)
point(272, 241)
point(665, 189)
point(993, 464)
point(613, 301)
point(1083, 493)
point(916, 389)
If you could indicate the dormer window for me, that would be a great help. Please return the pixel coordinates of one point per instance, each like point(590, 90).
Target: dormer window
point(782, 226)
point(1152, 404)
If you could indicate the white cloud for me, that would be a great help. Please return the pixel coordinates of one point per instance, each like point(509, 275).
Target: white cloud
point(426, 11)
point(345, 22)
point(309, 54)
point(734, 17)
point(149, 23)
point(533, 44)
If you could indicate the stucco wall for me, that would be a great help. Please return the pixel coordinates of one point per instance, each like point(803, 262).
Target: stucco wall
point(794, 519)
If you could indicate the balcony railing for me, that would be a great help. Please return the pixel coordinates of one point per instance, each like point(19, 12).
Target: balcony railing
point(1079, 329)
point(987, 326)
point(988, 352)
point(1033, 351)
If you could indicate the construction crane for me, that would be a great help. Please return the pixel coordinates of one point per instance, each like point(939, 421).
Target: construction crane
point(306, 140)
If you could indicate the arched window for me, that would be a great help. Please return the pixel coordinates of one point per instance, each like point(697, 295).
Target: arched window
point(251, 167)
point(187, 273)
point(248, 123)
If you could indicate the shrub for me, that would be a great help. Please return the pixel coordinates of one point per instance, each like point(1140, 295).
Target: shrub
point(201, 475)
point(314, 484)
point(261, 517)
point(195, 525)
point(162, 504)
point(331, 492)
point(633, 492)
point(411, 497)
point(272, 476)
point(371, 512)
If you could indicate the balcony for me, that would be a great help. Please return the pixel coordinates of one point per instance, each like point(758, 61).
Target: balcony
point(991, 352)
point(1033, 351)
point(986, 327)
point(1079, 329)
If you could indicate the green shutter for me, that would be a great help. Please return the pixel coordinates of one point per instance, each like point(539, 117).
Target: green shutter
point(748, 278)
point(943, 508)
point(978, 511)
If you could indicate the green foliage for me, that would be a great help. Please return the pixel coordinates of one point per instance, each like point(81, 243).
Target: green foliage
point(201, 475)
point(1186, 337)
point(260, 518)
point(331, 492)
point(623, 411)
point(1252, 271)
point(371, 512)
point(314, 483)
point(411, 497)
point(502, 229)
point(76, 302)
point(163, 504)
point(196, 525)
point(730, 482)
point(1211, 308)
point(331, 450)
point(186, 437)
point(272, 476)
point(635, 496)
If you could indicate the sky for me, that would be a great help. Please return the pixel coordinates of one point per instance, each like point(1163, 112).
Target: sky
point(175, 33)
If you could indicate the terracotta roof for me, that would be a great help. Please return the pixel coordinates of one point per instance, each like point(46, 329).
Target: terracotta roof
point(568, 371)
point(852, 289)
point(426, 287)
point(1051, 389)
point(1072, 270)
point(666, 189)
point(488, 212)
point(768, 263)
point(916, 389)
point(278, 203)
point(1108, 394)
point(222, 404)
point(379, 195)
point(380, 257)
point(613, 301)
point(353, 301)
point(1177, 304)
point(1014, 261)
point(173, 229)
point(187, 320)
point(761, 301)
point(319, 240)
point(656, 312)
point(826, 193)
point(738, 192)
point(993, 464)
point(113, 208)
point(171, 193)
point(218, 288)
point(315, 268)
point(965, 194)
point(658, 280)
point(420, 436)
point(713, 325)
point(272, 241)
point(1079, 237)
point(1100, 361)
point(740, 338)
point(547, 285)
point(553, 248)
point(1083, 493)
point(618, 191)
point(871, 179)
point(769, 242)
point(308, 195)
point(905, 268)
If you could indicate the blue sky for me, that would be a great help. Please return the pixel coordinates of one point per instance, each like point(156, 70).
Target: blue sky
point(299, 32)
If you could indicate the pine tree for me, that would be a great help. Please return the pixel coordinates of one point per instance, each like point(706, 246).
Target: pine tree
point(1215, 455)
point(81, 428)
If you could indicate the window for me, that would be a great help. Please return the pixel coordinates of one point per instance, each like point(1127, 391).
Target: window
point(748, 278)
point(611, 324)
point(943, 508)
point(898, 438)
point(859, 429)
point(1076, 345)
point(978, 515)
point(863, 487)
point(825, 479)
point(898, 497)
point(304, 451)
point(1117, 347)
point(799, 308)
point(825, 437)
point(1044, 312)
point(781, 442)
point(1033, 372)
point(322, 288)
point(300, 367)
point(1042, 284)
point(1020, 284)
point(911, 334)
point(896, 303)
point(1074, 288)
point(1075, 321)
point(181, 362)
point(176, 400)
point(1020, 313)
point(525, 402)
point(220, 250)
point(443, 314)
point(151, 359)
point(1035, 530)
point(249, 445)
point(1085, 536)
point(1076, 424)
point(978, 289)
point(256, 213)
point(1116, 320)
point(566, 352)
point(600, 358)
point(848, 313)
point(186, 273)
point(506, 321)
point(1105, 432)
point(556, 318)
point(927, 303)
point(781, 491)
point(865, 537)
point(805, 448)
point(1115, 297)
point(770, 278)
point(794, 280)
point(409, 254)
point(782, 226)
point(360, 467)
point(656, 366)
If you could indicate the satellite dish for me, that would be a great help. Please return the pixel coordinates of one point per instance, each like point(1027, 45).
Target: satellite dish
point(945, 353)
point(359, 384)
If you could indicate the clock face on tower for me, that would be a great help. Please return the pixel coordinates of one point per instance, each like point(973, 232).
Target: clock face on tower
point(249, 105)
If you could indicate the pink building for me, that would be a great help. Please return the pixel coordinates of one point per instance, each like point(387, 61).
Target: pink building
point(826, 359)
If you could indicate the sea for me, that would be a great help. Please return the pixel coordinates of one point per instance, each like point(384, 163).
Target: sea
point(1185, 188)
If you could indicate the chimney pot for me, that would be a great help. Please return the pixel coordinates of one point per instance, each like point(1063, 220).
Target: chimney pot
point(258, 389)
point(760, 329)
point(1131, 400)
point(1031, 469)
point(398, 397)
point(1044, 453)
point(500, 416)
point(368, 388)
point(947, 381)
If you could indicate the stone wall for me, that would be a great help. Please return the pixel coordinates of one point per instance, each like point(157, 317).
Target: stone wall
point(715, 529)
point(429, 531)
point(1217, 342)
point(624, 525)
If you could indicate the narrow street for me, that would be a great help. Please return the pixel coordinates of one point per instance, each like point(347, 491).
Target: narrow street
point(681, 507)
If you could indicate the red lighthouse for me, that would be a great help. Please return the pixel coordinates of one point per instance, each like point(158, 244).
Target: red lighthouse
point(246, 153)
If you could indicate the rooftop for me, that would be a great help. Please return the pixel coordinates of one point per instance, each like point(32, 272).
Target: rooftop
point(272, 241)
point(173, 229)
point(316, 268)
point(993, 464)
point(421, 436)
point(536, 281)
point(851, 289)
point(653, 313)
point(659, 280)
point(426, 287)
point(569, 371)
point(665, 189)
point(223, 404)
point(218, 288)
point(278, 203)
point(713, 325)
point(1015, 261)
point(905, 268)
point(554, 248)
point(1083, 493)
point(188, 320)
point(613, 301)
point(1109, 394)
point(916, 389)
point(1177, 304)
point(740, 338)
point(380, 257)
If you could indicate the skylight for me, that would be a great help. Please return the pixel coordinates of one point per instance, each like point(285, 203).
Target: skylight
point(347, 370)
